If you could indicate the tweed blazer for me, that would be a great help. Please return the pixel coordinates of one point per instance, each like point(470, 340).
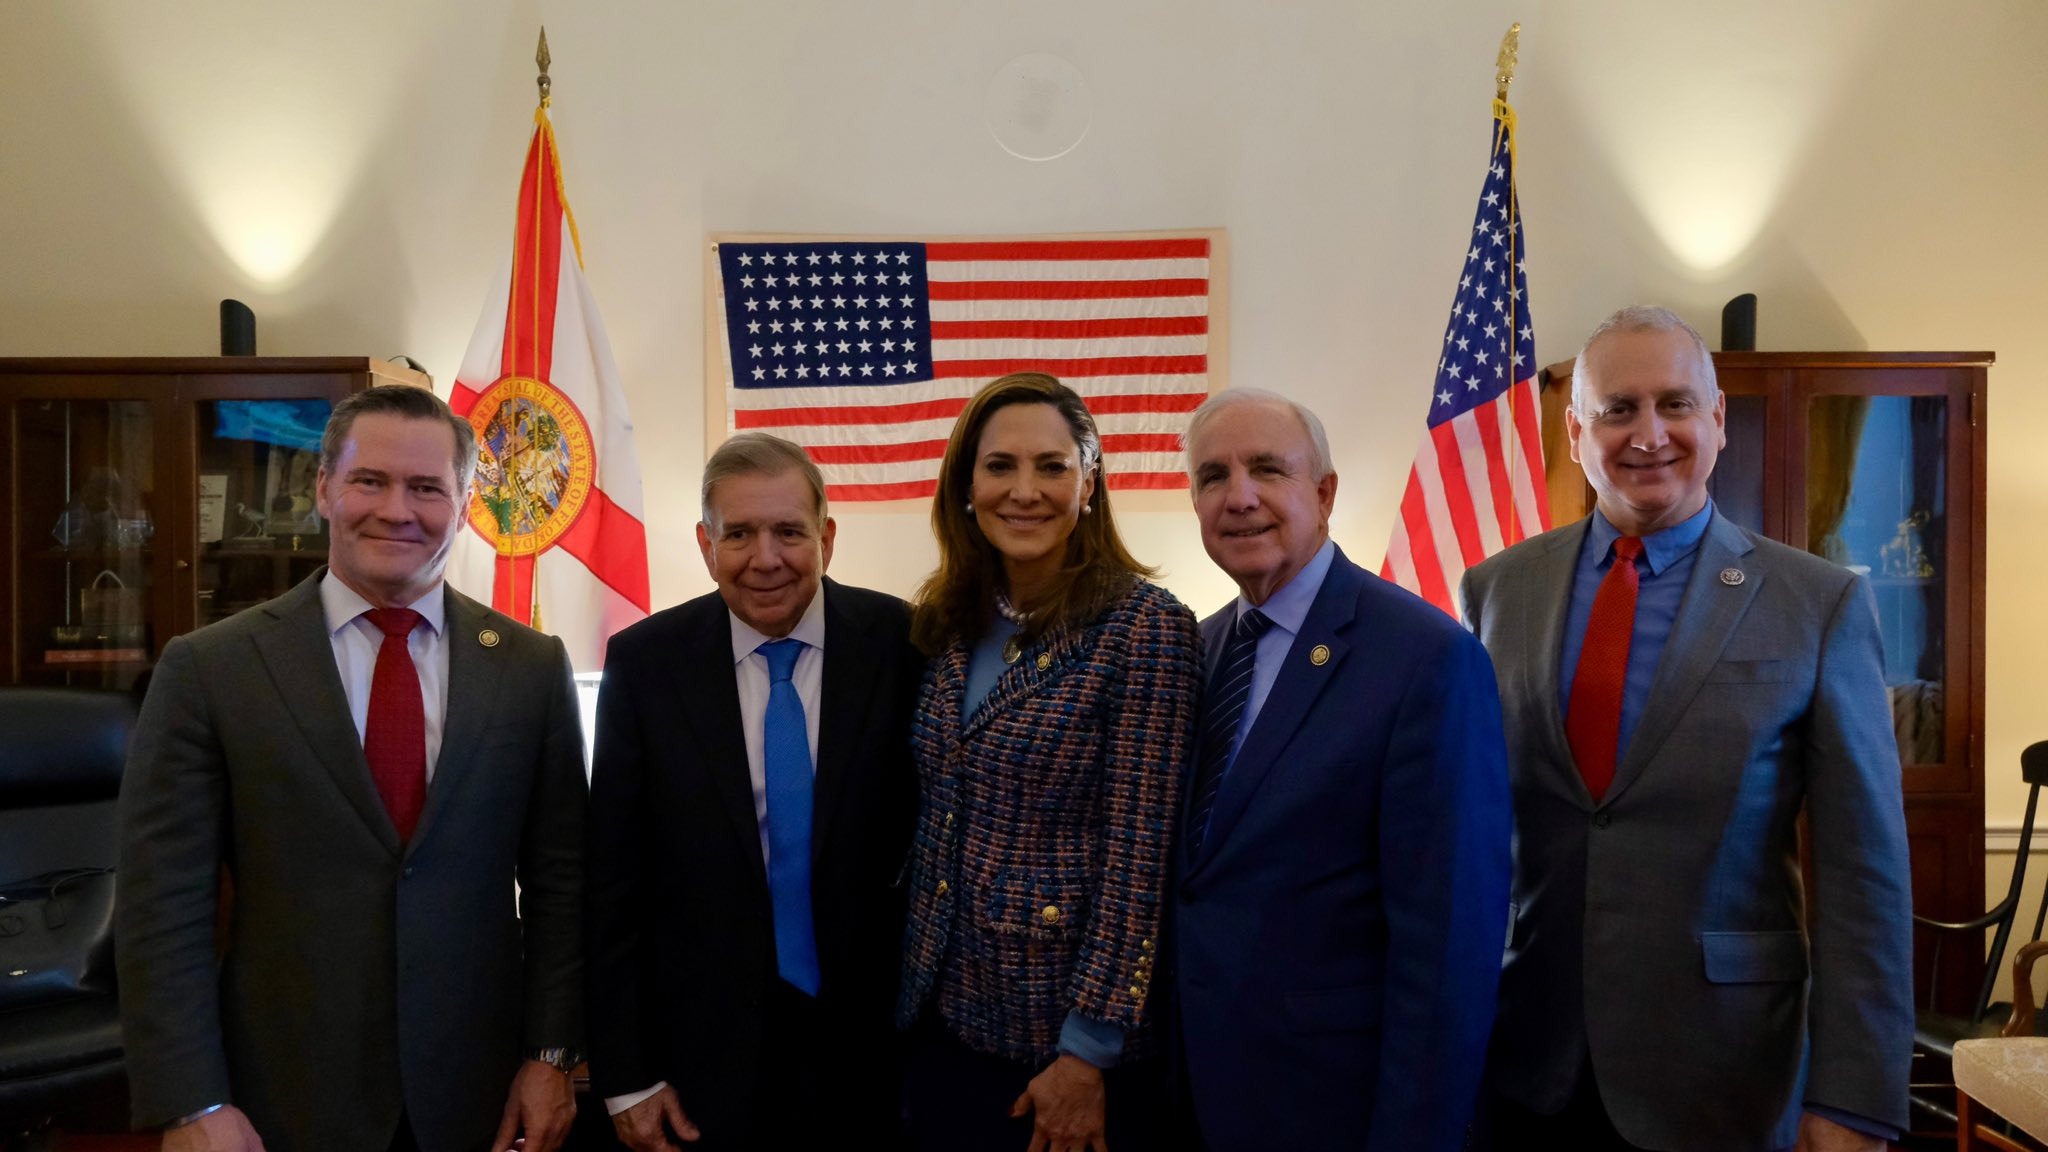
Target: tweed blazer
point(1045, 823)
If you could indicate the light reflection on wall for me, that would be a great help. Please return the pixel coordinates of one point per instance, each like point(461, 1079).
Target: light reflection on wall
point(1704, 111)
point(266, 148)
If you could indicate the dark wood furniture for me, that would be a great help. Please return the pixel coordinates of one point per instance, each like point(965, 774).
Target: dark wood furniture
point(1875, 460)
point(142, 498)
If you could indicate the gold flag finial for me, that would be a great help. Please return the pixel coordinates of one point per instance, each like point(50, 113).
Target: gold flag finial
point(540, 57)
point(1504, 64)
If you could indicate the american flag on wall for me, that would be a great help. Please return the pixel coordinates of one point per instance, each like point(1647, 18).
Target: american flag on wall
point(865, 350)
point(1476, 486)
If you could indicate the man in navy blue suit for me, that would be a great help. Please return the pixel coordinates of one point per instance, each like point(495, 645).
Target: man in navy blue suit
point(1342, 858)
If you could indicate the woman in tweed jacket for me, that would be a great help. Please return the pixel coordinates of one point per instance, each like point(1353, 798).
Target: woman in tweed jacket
point(1056, 717)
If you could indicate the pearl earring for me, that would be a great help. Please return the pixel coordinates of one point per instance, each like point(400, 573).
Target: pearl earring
point(1087, 508)
point(970, 507)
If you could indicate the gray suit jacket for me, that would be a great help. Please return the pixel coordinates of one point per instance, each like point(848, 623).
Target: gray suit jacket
point(1663, 932)
point(359, 977)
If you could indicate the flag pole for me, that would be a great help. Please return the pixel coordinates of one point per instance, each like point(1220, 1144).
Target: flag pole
point(1504, 115)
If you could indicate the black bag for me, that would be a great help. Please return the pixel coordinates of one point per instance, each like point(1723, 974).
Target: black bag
point(56, 937)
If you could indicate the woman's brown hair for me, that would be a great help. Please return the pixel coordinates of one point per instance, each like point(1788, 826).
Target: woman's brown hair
point(957, 599)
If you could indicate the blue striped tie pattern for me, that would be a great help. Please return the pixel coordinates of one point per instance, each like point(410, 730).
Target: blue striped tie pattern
point(786, 762)
point(1226, 700)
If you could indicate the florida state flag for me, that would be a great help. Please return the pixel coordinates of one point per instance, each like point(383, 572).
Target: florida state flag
point(557, 537)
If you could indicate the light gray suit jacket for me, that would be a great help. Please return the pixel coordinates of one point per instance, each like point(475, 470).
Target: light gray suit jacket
point(1663, 931)
point(360, 977)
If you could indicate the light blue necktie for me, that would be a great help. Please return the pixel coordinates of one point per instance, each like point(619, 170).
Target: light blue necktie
point(786, 757)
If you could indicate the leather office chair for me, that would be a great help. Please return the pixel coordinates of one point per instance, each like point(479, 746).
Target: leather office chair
point(61, 755)
point(1935, 1034)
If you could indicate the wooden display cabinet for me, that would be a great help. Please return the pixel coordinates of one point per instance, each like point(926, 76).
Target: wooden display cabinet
point(1874, 460)
point(142, 498)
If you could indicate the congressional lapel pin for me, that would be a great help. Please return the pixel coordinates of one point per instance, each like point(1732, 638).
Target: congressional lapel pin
point(1732, 576)
point(1319, 655)
point(488, 638)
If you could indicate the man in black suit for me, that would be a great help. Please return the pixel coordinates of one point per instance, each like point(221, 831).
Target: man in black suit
point(751, 808)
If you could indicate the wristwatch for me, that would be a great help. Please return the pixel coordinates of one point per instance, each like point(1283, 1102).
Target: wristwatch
point(563, 1060)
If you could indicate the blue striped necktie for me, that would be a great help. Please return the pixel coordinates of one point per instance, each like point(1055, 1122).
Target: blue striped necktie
point(786, 760)
point(1226, 700)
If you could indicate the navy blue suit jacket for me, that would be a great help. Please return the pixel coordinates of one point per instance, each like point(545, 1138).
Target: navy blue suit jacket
point(1337, 939)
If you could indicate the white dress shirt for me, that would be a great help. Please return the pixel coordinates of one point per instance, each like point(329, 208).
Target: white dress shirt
point(750, 668)
point(355, 642)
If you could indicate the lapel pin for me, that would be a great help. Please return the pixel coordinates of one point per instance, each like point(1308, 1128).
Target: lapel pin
point(1319, 655)
point(1731, 576)
point(488, 638)
point(1044, 661)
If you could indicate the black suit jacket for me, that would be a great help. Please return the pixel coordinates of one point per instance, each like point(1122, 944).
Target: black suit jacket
point(681, 931)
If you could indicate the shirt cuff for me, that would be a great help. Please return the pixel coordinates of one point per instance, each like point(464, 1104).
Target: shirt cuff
point(1096, 1042)
point(613, 1105)
point(1863, 1124)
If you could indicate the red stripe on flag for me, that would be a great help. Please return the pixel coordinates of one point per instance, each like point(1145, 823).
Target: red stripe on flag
point(1088, 366)
point(461, 398)
point(874, 414)
point(1487, 416)
point(1141, 442)
point(1429, 572)
point(902, 490)
point(1124, 405)
point(1069, 329)
point(1530, 433)
point(512, 596)
point(1154, 481)
point(1064, 289)
point(1450, 462)
point(875, 453)
point(613, 545)
point(536, 264)
point(1175, 249)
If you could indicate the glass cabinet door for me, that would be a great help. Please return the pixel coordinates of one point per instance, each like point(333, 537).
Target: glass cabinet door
point(1877, 499)
point(256, 526)
point(86, 521)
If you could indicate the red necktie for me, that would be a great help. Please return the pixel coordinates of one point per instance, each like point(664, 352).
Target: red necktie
point(395, 738)
point(1593, 721)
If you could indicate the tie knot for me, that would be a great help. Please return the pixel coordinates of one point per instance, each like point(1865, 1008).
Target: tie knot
point(1628, 547)
point(394, 621)
point(1252, 623)
point(781, 656)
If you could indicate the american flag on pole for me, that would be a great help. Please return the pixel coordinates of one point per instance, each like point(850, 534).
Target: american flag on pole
point(865, 350)
point(1476, 486)
point(557, 538)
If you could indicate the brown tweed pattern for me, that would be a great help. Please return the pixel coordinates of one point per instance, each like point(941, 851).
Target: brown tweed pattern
point(1039, 866)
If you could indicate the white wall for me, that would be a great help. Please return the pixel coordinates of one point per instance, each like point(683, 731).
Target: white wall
point(1871, 168)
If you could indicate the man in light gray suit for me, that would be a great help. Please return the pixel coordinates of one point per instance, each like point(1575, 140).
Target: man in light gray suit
point(371, 761)
point(1675, 689)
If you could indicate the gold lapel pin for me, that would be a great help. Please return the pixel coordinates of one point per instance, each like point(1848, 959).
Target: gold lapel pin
point(1732, 576)
point(1044, 661)
point(1319, 655)
point(488, 638)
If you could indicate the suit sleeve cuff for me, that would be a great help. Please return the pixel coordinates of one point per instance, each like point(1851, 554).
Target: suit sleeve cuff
point(613, 1105)
point(1863, 1124)
point(1096, 1042)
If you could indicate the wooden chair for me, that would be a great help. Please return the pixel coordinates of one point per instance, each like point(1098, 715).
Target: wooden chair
point(2002, 1083)
point(1935, 1034)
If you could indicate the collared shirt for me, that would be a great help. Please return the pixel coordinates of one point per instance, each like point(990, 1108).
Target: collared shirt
point(1663, 569)
point(1288, 609)
point(751, 668)
point(355, 642)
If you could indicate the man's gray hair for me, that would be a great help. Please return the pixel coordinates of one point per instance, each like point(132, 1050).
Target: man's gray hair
point(758, 454)
point(1321, 464)
point(1641, 318)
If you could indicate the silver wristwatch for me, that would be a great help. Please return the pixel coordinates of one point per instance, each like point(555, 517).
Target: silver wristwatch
point(563, 1060)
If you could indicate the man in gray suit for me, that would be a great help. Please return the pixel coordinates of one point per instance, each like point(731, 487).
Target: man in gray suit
point(1675, 689)
point(368, 763)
